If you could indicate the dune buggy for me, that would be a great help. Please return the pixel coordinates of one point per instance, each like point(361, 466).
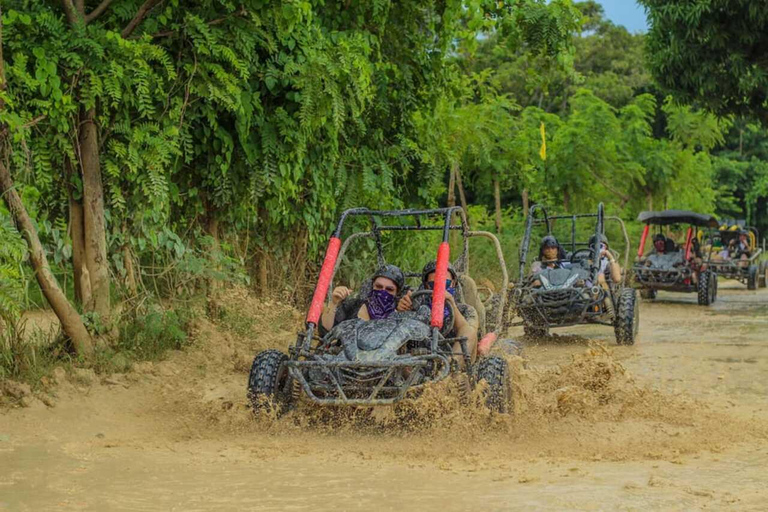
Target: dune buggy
point(381, 362)
point(679, 268)
point(748, 270)
point(570, 294)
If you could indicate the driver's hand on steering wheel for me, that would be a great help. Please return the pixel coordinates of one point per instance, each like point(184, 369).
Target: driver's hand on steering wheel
point(339, 294)
point(405, 304)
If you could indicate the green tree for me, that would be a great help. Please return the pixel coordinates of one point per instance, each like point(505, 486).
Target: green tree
point(711, 53)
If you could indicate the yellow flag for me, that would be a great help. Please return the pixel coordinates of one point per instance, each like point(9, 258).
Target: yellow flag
point(543, 150)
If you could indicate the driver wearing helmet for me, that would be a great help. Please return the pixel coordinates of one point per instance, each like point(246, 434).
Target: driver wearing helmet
point(465, 322)
point(381, 301)
point(551, 255)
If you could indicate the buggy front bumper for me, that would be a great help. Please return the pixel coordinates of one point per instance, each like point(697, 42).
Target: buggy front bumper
point(560, 307)
point(359, 383)
point(675, 279)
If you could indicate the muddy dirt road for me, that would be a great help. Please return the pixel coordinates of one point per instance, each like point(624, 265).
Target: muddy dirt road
point(684, 428)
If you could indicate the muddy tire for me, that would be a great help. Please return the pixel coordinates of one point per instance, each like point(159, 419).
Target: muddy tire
point(269, 383)
point(627, 321)
point(535, 332)
point(762, 278)
point(498, 393)
point(647, 293)
point(707, 288)
point(752, 272)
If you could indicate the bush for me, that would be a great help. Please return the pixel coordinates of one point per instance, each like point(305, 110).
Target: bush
point(151, 335)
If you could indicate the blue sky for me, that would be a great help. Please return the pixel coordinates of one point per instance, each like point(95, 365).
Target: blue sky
point(625, 12)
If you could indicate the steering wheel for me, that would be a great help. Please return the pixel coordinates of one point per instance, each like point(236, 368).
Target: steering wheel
point(447, 321)
point(587, 252)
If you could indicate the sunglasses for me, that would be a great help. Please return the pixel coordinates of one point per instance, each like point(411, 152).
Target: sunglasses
point(431, 284)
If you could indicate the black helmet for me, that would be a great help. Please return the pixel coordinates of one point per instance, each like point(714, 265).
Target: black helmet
point(391, 272)
point(549, 241)
point(603, 240)
point(659, 237)
point(431, 267)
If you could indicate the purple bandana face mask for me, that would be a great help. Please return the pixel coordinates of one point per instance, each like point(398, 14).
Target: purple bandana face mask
point(380, 304)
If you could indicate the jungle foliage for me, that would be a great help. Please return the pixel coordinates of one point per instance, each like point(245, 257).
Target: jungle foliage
point(160, 146)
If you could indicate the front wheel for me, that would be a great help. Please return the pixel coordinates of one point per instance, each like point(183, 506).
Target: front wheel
point(752, 277)
point(495, 372)
point(763, 275)
point(269, 383)
point(707, 288)
point(627, 323)
point(648, 293)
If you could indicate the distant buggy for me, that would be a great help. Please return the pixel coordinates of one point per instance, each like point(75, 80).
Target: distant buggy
point(570, 294)
point(673, 267)
point(739, 257)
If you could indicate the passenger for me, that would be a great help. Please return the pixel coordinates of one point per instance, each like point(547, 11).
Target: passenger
point(465, 323)
point(607, 262)
point(381, 301)
point(743, 252)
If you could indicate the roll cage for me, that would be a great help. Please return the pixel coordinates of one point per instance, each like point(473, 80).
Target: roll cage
point(378, 389)
point(574, 245)
point(678, 278)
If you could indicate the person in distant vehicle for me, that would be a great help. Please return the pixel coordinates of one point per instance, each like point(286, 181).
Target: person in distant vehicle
point(608, 268)
point(381, 302)
point(551, 255)
point(465, 323)
point(608, 265)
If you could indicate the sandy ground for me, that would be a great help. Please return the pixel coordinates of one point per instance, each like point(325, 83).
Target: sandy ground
point(677, 422)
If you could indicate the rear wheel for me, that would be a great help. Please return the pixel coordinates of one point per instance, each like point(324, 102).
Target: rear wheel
point(627, 321)
point(648, 293)
point(707, 288)
point(752, 277)
point(495, 372)
point(269, 383)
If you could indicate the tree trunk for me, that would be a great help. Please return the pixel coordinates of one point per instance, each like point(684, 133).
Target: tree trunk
point(130, 272)
point(263, 273)
point(212, 227)
point(497, 201)
point(526, 205)
point(462, 197)
point(452, 188)
point(82, 277)
point(649, 198)
point(70, 320)
point(93, 215)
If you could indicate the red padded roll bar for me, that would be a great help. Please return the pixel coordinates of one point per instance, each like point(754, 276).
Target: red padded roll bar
point(641, 250)
point(438, 294)
point(324, 281)
point(688, 243)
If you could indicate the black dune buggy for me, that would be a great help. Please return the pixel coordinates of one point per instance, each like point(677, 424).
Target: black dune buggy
point(378, 362)
point(570, 294)
point(750, 271)
point(680, 268)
